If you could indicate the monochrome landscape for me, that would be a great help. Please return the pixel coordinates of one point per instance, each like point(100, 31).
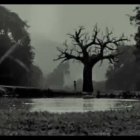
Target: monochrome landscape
point(69, 70)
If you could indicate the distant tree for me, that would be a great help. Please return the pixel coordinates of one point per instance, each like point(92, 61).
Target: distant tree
point(36, 77)
point(123, 74)
point(56, 78)
point(15, 58)
point(90, 49)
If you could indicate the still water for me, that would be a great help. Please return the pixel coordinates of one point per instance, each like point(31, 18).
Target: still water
point(62, 105)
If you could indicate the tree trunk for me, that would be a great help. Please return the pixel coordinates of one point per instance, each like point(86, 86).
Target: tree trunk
point(87, 79)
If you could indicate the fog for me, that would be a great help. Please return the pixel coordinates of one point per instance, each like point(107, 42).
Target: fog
point(49, 25)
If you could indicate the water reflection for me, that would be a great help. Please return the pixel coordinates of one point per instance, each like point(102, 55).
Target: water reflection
point(106, 104)
point(62, 105)
point(88, 105)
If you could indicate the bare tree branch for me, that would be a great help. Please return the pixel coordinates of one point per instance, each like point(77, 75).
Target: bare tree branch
point(64, 55)
point(91, 49)
point(112, 57)
point(77, 37)
point(94, 37)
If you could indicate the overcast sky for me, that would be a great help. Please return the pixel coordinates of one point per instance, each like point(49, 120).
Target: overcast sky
point(51, 23)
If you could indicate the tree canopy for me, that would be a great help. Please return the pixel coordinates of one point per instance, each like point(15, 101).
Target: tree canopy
point(16, 57)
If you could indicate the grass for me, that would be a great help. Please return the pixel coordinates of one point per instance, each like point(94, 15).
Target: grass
point(19, 121)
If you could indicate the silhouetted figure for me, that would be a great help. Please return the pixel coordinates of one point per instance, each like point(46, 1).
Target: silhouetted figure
point(74, 85)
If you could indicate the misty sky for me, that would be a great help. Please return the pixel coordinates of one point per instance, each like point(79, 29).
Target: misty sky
point(49, 25)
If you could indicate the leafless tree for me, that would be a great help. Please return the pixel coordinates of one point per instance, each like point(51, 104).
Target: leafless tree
point(90, 49)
